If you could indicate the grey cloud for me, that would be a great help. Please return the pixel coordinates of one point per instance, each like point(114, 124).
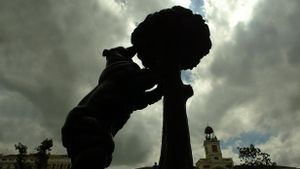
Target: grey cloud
point(139, 9)
point(292, 55)
point(51, 57)
point(257, 71)
point(133, 144)
point(51, 51)
point(294, 102)
point(139, 141)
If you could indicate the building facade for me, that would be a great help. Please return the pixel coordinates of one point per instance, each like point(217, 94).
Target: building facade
point(54, 161)
point(213, 153)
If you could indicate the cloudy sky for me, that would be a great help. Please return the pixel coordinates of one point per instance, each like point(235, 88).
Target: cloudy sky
point(247, 88)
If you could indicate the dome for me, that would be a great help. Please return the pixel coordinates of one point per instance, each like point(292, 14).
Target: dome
point(208, 130)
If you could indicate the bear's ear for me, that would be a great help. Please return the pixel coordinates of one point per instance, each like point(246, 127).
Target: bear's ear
point(113, 51)
point(124, 52)
point(118, 54)
point(105, 52)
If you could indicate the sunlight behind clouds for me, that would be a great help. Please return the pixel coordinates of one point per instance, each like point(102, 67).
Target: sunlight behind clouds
point(112, 7)
point(184, 3)
point(234, 11)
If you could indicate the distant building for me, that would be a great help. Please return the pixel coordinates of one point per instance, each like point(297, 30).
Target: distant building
point(59, 162)
point(54, 161)
point(267, 167)
point(214, 159)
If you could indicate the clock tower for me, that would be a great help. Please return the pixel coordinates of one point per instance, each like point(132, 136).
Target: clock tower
point(213, 154)
point(212, 145)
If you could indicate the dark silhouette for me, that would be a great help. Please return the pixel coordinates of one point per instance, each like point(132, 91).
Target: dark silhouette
point(253, 157)
point(43, 153)
point(90, 127)
point(167, 42)
point(21, 157)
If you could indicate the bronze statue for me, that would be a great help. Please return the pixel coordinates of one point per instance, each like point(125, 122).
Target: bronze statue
point(90, 127)
point(166, 42)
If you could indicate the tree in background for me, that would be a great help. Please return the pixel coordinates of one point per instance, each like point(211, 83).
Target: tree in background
point(21, 157)
point(252, 157)
point(43, 154)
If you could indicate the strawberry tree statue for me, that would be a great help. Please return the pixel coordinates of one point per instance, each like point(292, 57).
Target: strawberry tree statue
point(167, 42)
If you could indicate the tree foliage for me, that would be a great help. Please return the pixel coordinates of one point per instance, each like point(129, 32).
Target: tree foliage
point(21, 157)
point(43, 154)
point(182, 36)
point(254, 158)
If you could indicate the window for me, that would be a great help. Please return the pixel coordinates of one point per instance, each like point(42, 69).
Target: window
point(214, 148)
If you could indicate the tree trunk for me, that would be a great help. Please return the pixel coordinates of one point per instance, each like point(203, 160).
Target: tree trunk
point(176, 150)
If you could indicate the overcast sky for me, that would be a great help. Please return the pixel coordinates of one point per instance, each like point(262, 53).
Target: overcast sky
point(247, 88)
